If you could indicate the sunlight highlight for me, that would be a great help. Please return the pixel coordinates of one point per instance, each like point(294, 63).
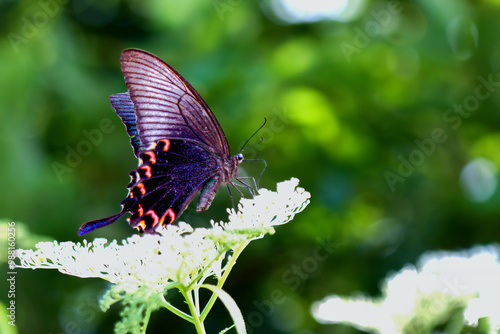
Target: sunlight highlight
point(479, 179)
point(300, 11)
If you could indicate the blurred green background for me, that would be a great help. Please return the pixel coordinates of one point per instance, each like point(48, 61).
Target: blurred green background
point(387, 112)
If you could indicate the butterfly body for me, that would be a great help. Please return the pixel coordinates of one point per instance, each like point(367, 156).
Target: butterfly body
point(181, 147)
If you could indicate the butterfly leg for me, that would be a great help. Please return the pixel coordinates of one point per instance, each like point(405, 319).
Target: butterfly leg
point(262, 172)
point(231, 195)
point(251, 189)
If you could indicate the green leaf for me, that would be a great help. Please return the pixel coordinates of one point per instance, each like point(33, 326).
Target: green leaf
point(226, 329)
point(230, 305)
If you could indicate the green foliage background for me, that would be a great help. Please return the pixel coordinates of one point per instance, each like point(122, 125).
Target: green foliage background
point(343, 102)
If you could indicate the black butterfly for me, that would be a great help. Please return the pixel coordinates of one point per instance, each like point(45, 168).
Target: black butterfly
point(180, 145)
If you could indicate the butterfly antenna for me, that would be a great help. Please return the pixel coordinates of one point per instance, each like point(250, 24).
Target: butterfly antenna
point(253, 190)
point(257, 143)
point(261, 138)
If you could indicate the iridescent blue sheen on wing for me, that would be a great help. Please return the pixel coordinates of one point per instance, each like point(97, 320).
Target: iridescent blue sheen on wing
point(95, 224)
point(125, 109)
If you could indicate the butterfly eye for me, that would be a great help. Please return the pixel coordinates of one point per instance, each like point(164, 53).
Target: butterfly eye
point(239, 156)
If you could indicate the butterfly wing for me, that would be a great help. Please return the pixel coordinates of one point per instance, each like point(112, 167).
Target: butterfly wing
point(180, 145)
point(125, 109)
point(165, 182)
point(166, 105)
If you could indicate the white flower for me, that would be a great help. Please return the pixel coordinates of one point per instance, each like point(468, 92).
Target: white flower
point(418, 298)
point(176, 253)
point(144, 267)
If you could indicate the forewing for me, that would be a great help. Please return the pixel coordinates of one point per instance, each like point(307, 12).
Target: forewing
point(166, 105)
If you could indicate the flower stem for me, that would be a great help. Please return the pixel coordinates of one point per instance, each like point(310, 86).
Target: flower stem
point(222, 280)
point(146, 321)
point(176, 311)
point(197, 321)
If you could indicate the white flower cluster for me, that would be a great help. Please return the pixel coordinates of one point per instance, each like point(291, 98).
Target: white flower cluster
point(259, 215)
point(416, 299)
point(177, 253)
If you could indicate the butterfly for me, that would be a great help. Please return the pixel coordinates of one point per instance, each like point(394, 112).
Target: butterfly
point(181, 147)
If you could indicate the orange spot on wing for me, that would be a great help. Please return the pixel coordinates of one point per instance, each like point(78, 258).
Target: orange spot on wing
point(152, 156)
point(167, 144)
point(140, 210)
point(141, 226)
point(147, 169)
point(154, 216)
point(171, 214)
point(141, 187)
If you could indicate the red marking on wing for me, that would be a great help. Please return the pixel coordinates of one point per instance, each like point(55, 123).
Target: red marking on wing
point(152, 157)
point(141, 226)
point(141, 187)
point(147, 168)
point(167, 144)
point(171, 214)
point(154, 216)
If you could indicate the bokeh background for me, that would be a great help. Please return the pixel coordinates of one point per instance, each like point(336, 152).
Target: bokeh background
point(387, 112)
